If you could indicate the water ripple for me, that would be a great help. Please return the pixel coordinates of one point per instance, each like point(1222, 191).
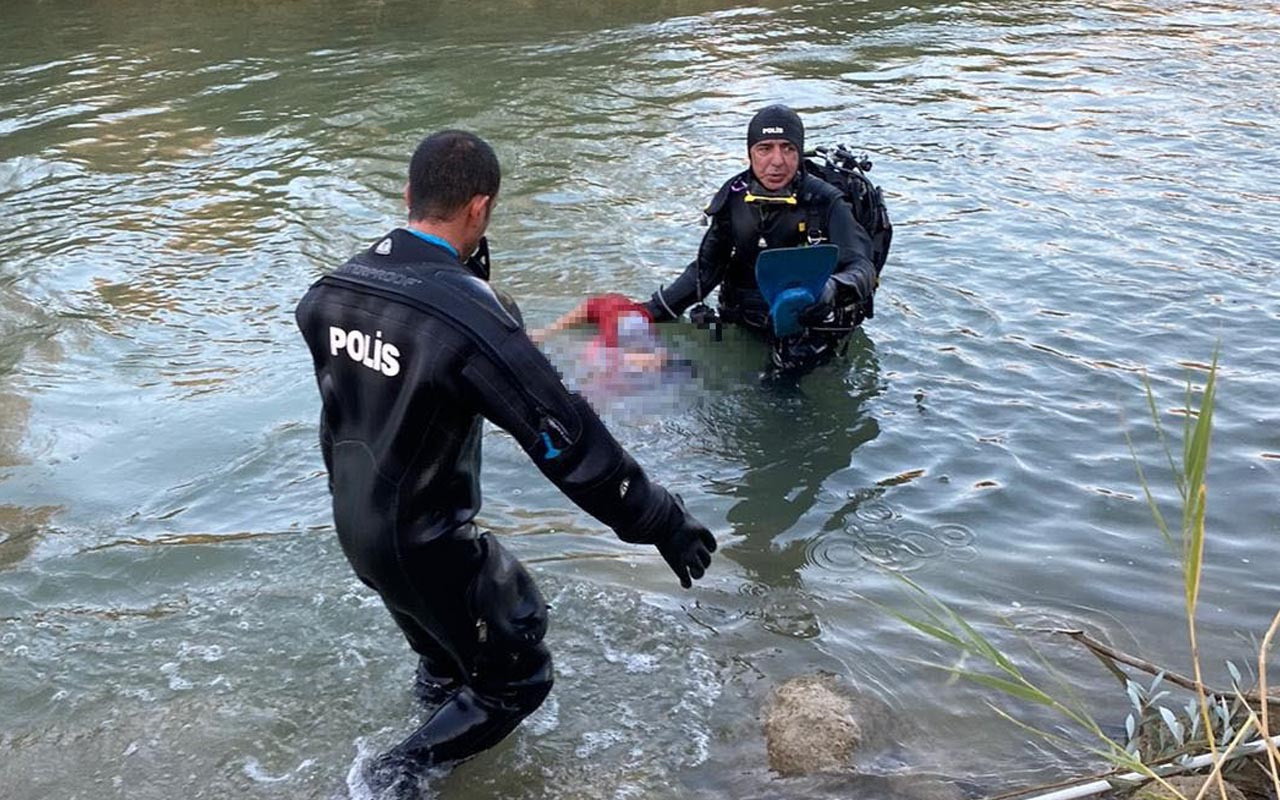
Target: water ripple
point(898, 549)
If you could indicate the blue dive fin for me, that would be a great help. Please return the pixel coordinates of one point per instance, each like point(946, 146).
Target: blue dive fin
point(791, 278)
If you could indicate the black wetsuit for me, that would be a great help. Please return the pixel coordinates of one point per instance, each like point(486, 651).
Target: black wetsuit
point(412, 350)
point(743, 221)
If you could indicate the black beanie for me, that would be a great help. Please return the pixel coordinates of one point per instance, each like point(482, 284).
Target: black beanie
point(776, 122)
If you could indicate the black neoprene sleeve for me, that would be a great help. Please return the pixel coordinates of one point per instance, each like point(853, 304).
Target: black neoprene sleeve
point(565, 438)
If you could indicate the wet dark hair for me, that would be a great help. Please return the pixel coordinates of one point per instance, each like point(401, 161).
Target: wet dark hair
point(447, 169)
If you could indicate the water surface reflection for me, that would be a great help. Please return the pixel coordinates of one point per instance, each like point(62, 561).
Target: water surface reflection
point(1080, 194)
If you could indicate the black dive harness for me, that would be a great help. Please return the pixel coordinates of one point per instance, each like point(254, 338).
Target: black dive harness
point(759, 220)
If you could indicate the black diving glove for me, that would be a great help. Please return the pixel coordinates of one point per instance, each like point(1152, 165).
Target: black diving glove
point(688, 548)
point(657, 309)
point(818, 312)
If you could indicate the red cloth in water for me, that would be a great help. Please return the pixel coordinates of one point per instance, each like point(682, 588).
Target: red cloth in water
point(604, 311)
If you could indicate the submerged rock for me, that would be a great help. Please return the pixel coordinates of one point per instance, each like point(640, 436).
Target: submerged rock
point(809, 727)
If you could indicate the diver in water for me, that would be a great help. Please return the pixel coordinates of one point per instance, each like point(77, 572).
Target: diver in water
point(778, 203)
point(412, 350)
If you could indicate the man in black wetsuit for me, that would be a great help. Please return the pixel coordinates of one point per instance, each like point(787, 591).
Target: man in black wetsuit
point(777, 203)
point(412, 351)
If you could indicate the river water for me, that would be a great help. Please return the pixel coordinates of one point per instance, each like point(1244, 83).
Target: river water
point(1084, 194)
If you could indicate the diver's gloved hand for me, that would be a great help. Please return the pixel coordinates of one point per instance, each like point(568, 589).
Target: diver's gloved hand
point(657, 309)
point(817, 312)
point(688, 548)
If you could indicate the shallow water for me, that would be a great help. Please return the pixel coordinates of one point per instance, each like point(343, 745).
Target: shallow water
point(1083, 194)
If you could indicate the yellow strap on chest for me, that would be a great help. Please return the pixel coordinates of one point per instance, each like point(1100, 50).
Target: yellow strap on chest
point(764, 198)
